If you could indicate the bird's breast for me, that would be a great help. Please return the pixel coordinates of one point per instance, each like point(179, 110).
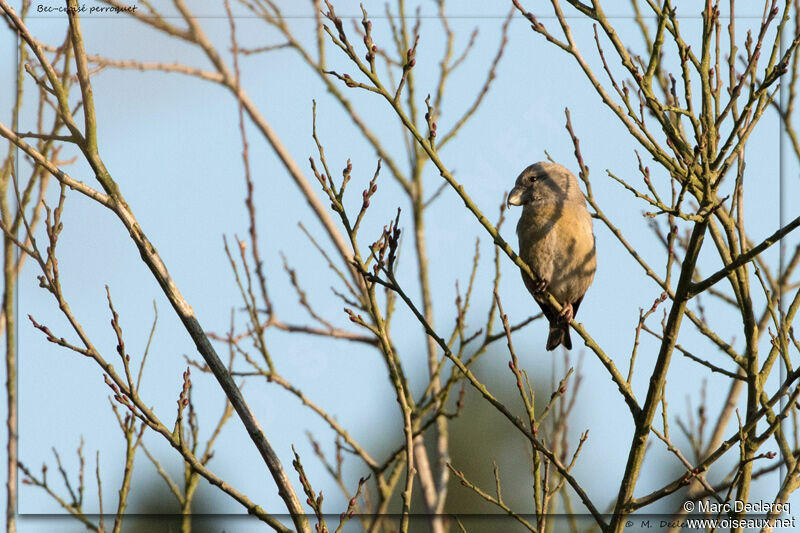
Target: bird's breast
point(556, 240)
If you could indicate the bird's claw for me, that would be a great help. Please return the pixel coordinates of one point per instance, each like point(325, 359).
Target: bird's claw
point(566, 313)
point(540, 286)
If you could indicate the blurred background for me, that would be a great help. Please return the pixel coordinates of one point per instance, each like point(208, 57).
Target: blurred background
point(172, 143)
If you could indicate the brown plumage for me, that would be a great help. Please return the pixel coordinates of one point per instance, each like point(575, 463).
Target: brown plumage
point(556, 240)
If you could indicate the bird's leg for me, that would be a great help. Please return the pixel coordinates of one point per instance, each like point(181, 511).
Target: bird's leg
point(540, 286)
point(566, 313)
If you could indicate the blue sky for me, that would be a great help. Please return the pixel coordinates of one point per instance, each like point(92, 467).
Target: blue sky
point(172, 144)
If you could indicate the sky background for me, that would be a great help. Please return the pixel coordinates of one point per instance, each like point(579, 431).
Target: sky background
point(172, 144)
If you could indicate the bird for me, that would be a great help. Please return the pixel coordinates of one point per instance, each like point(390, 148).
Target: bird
point(556, 240)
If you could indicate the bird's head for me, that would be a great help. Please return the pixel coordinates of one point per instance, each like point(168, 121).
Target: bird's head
point(544, 182)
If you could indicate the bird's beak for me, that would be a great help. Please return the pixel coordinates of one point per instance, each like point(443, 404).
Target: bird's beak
point(515, 196)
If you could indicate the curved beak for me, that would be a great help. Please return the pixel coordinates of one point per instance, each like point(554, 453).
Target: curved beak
point(515, 197)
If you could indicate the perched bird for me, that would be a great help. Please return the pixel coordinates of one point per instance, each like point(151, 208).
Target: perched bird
point(556, 241)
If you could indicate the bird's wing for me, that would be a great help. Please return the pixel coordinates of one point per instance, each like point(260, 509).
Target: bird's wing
point(575, 306)
point(549, 312)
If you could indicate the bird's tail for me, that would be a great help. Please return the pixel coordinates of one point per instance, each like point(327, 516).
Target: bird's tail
point(559, 334)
